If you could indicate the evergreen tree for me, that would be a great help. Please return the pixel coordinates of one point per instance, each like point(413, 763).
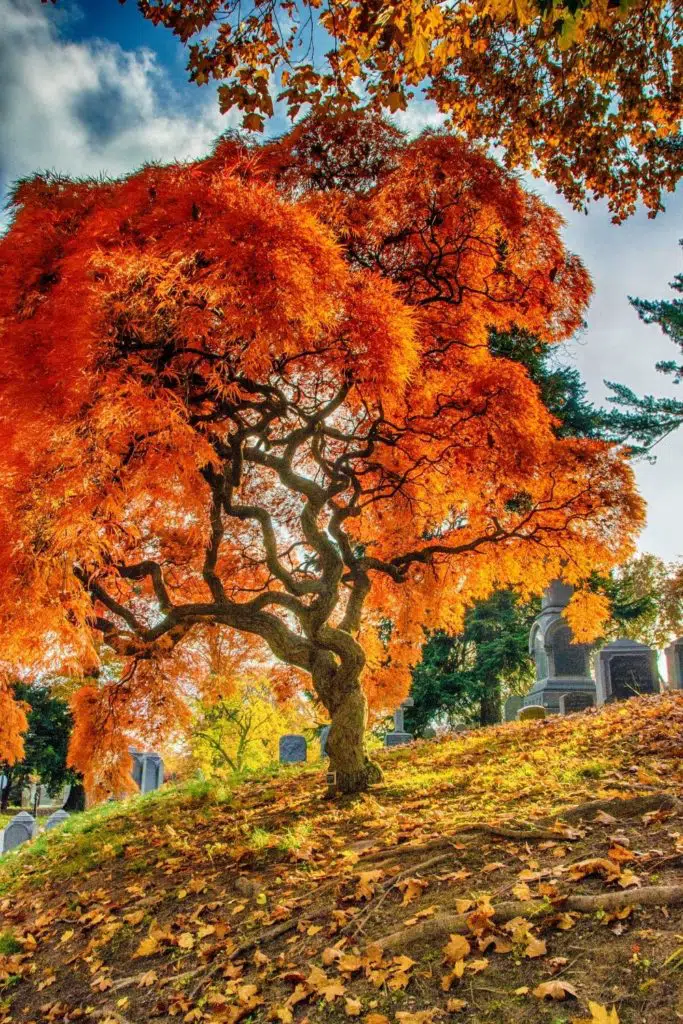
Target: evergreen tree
point(45, 743)
point(643, 421)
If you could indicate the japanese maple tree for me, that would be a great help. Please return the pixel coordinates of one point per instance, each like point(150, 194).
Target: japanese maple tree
point(255, 393)
point(588, 94)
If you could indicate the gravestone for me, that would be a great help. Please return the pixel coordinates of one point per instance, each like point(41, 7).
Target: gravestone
point(674, 664)
point(147, 771)
point(575, 701)
point(530, 712)
point(58, 818)
point(429, 733)
point(292, 748)
point(324, 733)
point(399, 734)
point(21, 828)
point(562, 666)
point(626, 669)
point(511, 707)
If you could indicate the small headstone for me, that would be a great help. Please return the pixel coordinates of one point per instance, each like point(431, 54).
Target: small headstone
point(324, 733)
point(21, 828)
point(57, 818)
point(674, 664)
point(292, 749)
point(626, 669)
point(511, 708)
point(429, 733)
point(531, 711)
point(399, 735)
point(575, 701)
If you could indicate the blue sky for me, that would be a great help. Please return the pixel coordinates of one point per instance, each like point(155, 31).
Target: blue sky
point(90, 87)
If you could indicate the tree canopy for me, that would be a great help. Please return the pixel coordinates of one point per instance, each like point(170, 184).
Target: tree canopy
point(588, 94)
point(256, 392)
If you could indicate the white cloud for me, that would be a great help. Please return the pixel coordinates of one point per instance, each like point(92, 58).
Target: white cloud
point(88, 107)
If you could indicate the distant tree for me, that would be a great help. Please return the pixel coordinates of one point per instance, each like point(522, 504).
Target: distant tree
point(464, 677)
point(45, 743)
point(643, 421)
point(241, 732)
point(646, 595)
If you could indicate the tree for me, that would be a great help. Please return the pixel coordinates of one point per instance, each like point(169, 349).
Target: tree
point(45, 742)
point(644, 422)
point(646, 595)
point(587, 94)
point(240, 732)
point(462, 676)
point(235, 397)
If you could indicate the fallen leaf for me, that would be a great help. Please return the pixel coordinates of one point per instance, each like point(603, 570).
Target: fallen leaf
point(353, 1007)
point(456, 1005)
point(147, 947)
point(457, 948)
point(535, 947)
point(554, 990)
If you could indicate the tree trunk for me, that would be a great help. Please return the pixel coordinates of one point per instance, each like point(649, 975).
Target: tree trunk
point(76, 798)
point(353, 770)
point(4, 800)
point(490, 705)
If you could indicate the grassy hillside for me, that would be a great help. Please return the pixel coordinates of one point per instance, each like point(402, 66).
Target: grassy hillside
point(452, 893)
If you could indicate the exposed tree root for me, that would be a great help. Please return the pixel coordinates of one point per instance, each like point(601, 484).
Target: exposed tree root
point(442, 925)
point(521, 833)
point(620, 807)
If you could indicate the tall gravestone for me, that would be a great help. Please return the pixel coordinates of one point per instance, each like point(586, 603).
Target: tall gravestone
point(626, 669)
point(562, 666)
point(674, 664)
point(148, 770)
point(399, 735)
point(21, 828)
point(292, 749)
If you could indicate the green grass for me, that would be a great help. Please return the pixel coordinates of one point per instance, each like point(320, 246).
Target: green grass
point(8, 944)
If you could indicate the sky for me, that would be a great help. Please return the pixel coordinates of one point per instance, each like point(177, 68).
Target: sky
point(89, 87)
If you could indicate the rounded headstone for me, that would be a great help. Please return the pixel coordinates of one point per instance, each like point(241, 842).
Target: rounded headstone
point(292, 748)
point(532, 711)
point(20, 829)
point(58, 818)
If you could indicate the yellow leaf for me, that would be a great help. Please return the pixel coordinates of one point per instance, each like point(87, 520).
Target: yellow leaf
point(67, 935)
point(147, 947)
point(186, 941)
point(535, 947)
point(457, 948)
point(455, 1005)
point(353, 1007)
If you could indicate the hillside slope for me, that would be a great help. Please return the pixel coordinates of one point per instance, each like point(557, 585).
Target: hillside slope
point(451, 893)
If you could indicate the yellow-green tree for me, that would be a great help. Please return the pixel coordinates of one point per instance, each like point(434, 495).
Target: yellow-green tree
point(240, 732)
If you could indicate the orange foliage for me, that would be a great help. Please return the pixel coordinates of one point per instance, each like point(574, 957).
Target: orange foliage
point(588, 94)
point(256, 393)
